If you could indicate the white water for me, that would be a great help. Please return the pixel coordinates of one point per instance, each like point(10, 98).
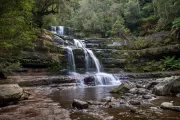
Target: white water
point(59, 30)
point(71, 60)
point(100, 78)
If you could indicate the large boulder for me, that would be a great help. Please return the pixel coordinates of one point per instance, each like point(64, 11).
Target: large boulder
point(167, 86)
point(9, 93)
point(124, 87)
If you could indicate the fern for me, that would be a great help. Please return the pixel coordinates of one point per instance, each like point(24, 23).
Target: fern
point(170, 63)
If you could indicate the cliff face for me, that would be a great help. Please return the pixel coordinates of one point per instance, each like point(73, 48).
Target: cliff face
point(140, 54)
point(156, 52)
point(45, 56)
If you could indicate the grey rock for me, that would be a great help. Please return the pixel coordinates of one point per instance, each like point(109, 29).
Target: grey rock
point(135, 102)
point(139, 86)
point(128, 94)
point(142, 91)
point(151, 85)
point(167, 85)
point(147, 96)
point(79, 104)
point(133, 90)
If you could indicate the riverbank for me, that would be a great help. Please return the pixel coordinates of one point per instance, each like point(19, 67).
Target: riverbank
point(53, 100)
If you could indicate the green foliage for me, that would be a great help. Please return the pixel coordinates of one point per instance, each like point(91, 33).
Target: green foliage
point(16, 31)
point(176, 22)
point(54, 66)
point(59, 10)
point(95, 16)
point(50, 20)
point(166, 11)
point(170, 63)
point(7, 66)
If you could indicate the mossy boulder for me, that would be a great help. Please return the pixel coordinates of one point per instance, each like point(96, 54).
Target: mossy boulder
point(124, 87)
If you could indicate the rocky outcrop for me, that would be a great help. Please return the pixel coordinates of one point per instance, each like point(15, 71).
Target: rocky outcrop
point(10, 93)
point(46, 80)
point(167, 86)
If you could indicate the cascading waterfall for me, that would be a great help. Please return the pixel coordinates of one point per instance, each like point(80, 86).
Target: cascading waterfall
point(71, 60)
point(100, 78)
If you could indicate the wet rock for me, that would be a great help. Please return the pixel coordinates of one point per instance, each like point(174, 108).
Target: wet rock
point(124, 87)
point(94, 103)
point(167, 85)
point(128, 94)
point(79, 104)
point(142, 91)
point(151, 85)
point(147, 96)
point(139, 86)
point(135, 102)
point(10, 93)
point(176, 108)
point(90, 81)
point(64, 72)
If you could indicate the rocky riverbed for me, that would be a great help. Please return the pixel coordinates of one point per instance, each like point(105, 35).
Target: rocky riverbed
point(134, 99)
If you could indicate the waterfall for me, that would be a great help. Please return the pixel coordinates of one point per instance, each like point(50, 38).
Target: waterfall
point(59, 30)
point(71, 60)
point(96, 61)
point(100, 78)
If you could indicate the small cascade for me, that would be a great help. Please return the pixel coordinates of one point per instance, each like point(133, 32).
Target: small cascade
point(96, 61)
point(100, 78)
point(59, 30)
point(79, 43)
point(106, 79)
point(71, 60)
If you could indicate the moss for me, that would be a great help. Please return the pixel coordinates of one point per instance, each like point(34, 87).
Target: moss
point(119, 89)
